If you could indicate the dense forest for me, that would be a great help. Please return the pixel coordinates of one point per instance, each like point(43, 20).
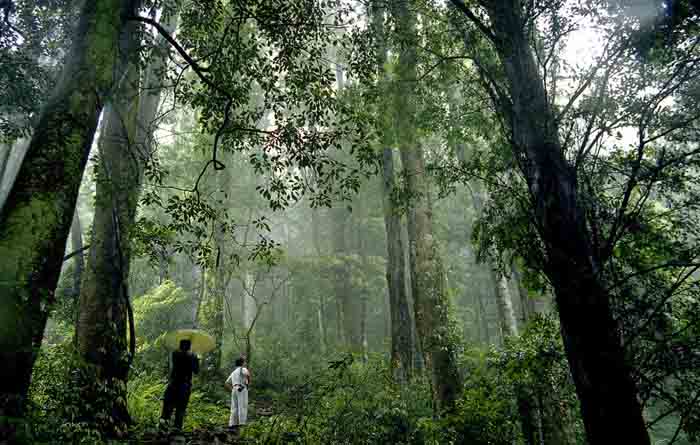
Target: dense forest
point(415, 221)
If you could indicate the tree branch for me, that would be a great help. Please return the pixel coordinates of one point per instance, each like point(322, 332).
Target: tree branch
point(197, 68)
point(76, 252)
point(459, 4)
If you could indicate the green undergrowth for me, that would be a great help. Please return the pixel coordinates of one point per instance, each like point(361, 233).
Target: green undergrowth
point(341, 400)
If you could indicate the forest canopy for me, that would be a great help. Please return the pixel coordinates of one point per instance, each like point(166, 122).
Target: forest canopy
point(376, 221)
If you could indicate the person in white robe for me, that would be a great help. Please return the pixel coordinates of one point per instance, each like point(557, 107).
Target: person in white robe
point(238, 383)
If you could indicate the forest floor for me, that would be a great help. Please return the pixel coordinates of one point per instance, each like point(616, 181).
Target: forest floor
point(211, 436)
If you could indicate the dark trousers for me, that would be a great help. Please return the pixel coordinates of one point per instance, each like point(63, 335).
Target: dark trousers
point(177, 395)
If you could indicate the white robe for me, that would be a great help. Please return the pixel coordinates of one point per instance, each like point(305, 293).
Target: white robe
point(239, 399)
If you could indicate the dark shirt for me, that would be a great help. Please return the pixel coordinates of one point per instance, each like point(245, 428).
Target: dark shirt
point(184, 364)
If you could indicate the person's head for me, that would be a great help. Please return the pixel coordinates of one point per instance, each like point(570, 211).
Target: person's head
point(240, 361)
point(185, 345)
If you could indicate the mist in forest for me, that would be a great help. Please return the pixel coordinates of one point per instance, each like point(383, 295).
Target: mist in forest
point(340, 222)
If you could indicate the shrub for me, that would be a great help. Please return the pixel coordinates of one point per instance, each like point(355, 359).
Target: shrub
point(55, 407)
point(349, 402)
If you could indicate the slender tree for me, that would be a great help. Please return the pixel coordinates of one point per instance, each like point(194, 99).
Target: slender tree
point(401, 322)
point(76, 236)
point(428, 280)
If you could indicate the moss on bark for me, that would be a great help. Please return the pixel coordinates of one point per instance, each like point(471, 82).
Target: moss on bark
point(37, 216)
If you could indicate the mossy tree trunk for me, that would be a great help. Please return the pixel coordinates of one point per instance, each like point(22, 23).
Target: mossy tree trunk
point(124, 148)
point(428, 279)
point(104, 300)
point(36, 218)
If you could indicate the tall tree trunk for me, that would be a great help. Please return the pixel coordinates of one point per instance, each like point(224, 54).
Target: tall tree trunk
point(427, 273)
point(217, 296)
point(201, 292)
point(402, 325)
point(347, 309)
point(37, 215)
point(321, 330)
point(343, 297)
point(163, 265)
point(364, 294)
point(401, 322)
point(610, 408)
point(125, 147)
point(104, 300)
point(316, 236)
point(217, 322)
point(76, 236)
point(5, 150)
point(506, 316)
point(11, 157)
point(527, 305)
point(483, 320)
point(153, 84)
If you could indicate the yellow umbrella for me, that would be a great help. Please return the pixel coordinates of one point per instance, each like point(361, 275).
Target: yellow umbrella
point(201, 341)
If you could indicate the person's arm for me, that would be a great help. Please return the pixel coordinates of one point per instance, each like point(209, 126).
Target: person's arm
point(247, 377)
point(227, 383)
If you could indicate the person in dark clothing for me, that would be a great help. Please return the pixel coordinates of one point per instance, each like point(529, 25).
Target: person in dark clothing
point(177, 394)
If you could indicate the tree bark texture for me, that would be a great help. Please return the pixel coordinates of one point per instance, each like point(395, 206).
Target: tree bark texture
point(76, 236)
point(402, 327)
point(348, 329)
point(152, 87)
point(401, 321)
point(11, 157)
point(347, 308)
point(506, 315)
point(220, 274)
point(611, 411)
point(527, 305)
point(428, 278)
point(104, 301)
point(36, 219)
point(316, 236)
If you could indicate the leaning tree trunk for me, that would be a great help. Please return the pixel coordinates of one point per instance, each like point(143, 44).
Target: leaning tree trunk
point(104, 300)
point(428, 278)
point(37, 215)
point(610, 408)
